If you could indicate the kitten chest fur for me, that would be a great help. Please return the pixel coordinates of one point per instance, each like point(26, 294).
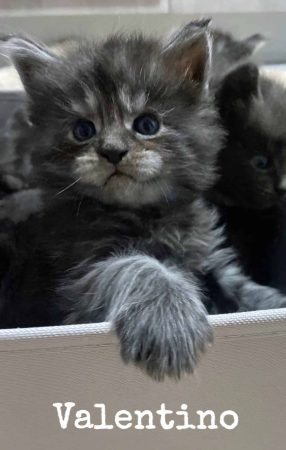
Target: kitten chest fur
point(182, 233)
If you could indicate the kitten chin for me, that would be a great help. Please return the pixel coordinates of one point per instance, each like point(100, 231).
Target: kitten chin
point(123, 190)
point(134, 181)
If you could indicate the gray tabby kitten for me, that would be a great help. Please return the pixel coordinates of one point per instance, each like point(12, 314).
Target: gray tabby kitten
point(16, 172)
point(125, 137)
point(15, 163)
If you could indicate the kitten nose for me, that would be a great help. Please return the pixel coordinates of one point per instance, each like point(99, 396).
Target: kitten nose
point(112, 155)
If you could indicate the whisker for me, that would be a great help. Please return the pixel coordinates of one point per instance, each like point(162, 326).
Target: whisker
point(79, 205)
point(67, 187)
point(163, 192)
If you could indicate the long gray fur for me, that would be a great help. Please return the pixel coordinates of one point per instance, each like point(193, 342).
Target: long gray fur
point(135, 249)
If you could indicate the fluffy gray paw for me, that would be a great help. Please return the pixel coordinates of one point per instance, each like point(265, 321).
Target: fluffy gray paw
point(155, 309)
point(165, 345)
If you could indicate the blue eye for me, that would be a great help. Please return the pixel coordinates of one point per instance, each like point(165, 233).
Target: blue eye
point(146, 124)
point(84, 130)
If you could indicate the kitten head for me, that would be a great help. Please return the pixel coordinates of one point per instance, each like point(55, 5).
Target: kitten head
point(252, 164)
point(225, 43)
point(229, 52)
point(127, 120)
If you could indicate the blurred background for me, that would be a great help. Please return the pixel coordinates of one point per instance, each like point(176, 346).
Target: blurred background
point(50, 20)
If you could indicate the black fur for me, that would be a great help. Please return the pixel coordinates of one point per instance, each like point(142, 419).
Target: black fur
point(252, 107)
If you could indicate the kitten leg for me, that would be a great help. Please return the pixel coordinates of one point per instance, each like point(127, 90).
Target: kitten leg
point(155, 310)
point(256, 296)
point(249, 295)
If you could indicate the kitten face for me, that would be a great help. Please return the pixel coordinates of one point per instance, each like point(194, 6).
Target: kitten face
point(127, 121)
point(253, 168)
point(126, 160)
point(253, 162)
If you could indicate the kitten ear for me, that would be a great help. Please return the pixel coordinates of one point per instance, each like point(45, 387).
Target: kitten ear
point(254, 43)
point(29, 58)
point(237, 89)
point(188, 51)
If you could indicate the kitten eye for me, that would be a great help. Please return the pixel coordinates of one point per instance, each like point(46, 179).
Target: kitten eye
point(260, 162)
point(146, 124)
point(84, 130)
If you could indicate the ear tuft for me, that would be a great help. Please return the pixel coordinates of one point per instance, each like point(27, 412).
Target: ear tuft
point(29, 58)
point(255, 42)
point(188, 51)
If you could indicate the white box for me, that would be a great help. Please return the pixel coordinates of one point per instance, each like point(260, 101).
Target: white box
point(245, 371)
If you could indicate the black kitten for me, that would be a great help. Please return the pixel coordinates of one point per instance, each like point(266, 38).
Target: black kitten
point(125, 138)
point(252, 168)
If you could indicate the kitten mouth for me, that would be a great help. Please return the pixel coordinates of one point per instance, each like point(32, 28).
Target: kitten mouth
point(118, 174)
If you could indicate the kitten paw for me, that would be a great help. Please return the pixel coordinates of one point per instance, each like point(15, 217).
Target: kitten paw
point(257, 297)
point(163, 346)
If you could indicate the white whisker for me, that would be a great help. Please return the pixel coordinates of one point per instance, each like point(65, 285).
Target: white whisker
point(163, 191)
point(80, 203)
point(67, 187)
